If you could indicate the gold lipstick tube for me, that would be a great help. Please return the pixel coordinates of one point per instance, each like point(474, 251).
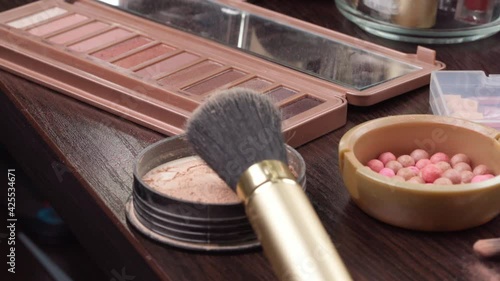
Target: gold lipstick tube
point(287, 226)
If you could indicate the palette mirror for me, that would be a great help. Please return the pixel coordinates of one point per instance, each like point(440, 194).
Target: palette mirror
point(293, 47)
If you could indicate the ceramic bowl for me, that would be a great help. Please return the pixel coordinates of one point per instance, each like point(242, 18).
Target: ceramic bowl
point(420, 206)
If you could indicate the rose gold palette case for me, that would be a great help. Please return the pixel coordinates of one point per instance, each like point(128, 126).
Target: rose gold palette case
point(154, 62)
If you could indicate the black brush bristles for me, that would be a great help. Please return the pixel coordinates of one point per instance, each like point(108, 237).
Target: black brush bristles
point(235, 129)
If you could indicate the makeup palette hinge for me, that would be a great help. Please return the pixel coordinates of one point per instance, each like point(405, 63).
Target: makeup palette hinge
point(344, 94)
point(426, 55)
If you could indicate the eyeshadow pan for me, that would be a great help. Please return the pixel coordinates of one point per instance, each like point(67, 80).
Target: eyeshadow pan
point(298, 107)
point(121, 48)
point(256, 84)
point(280, 94)
point(177, 78)
point(99, 40)
point(168, 64)
point(78, 32)
point(215, 82)
point(57, 24)
point(144, 55)
point(36, 18)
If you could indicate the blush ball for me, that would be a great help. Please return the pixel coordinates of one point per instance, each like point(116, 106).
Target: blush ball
point(376, 165)
point(466, 176)
point(480, 178)
point(452, 175)
point(416, 179)
point(387, 172)
point(407, 173)
point(459, 157)
point(406, 160)
point(419, 154)
point(443, 181)
point(430, 173)
point(443, 165)
point(462, 167)
point(438, 157)
point(422, 163)
point(386, 157)
point(394, 165)
point(481, 170)
point(398, 178)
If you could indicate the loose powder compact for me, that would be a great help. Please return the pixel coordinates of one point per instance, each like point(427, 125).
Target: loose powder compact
point(179, 200)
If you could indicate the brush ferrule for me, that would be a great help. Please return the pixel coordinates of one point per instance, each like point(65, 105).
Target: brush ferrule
point(260, 173)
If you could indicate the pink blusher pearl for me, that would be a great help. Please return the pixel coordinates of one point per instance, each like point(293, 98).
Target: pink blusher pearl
point(416, 180)
point(459, 157)
point(466, 176)
point(481, 169)
point(398, 178)
point(387, 172)
point(430, 173)
point(419, 154)
point(406, 160)
point(443, 165)
point(406, 173)
point(462, 167)
point(386, 157)
point(414, 169)
point(376, 165)
point(443, 181)
point(422, 163)
point(452, 175)
point(394, 165)
point(480, 178)
point(439, 156)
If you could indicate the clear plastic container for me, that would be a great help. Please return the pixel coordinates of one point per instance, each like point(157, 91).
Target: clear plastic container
point(469, 95)
point(425, 21)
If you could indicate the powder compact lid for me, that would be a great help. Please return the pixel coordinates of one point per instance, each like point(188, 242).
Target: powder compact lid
point(154, 62)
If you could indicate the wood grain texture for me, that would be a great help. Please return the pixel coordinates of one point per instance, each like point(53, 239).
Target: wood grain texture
point(83, 159)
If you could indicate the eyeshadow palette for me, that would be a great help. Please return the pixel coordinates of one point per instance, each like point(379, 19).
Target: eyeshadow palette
point(156, 75)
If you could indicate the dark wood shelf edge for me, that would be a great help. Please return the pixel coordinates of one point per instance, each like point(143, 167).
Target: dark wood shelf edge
point(118, 250)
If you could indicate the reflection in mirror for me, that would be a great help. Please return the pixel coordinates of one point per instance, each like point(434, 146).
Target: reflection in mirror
point(293, 47)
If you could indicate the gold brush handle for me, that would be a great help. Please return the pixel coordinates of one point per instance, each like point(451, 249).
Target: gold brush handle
point(287, 226)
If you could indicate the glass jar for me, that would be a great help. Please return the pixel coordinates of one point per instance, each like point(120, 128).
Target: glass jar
point(425, 21)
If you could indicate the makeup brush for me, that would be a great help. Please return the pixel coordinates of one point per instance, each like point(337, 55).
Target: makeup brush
point(238, 133)
point(487, 248)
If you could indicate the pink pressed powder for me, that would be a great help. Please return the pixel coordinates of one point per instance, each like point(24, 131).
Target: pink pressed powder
point(167, 65)
point(197, 70)
point(77, 32)
point(57, 24)
point(121, 48)
point(144, 55)
point(99, 40)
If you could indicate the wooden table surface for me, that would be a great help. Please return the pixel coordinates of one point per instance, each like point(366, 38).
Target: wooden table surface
point(81, 159)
